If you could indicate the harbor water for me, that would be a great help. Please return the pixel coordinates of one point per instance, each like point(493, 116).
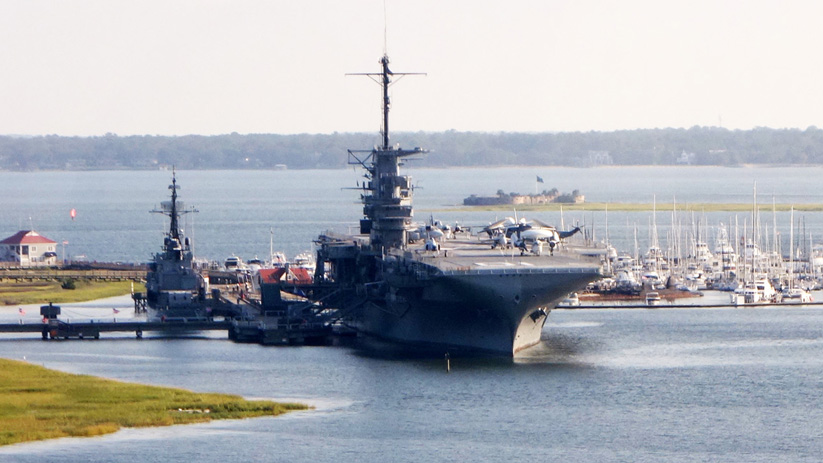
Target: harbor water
point(242, 212)
point(675, 385)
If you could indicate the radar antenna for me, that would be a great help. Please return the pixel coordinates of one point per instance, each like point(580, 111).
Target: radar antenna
point(174, 209)
point(384, 80)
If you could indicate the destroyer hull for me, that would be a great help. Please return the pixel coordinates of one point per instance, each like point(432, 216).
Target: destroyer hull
point(472, 312)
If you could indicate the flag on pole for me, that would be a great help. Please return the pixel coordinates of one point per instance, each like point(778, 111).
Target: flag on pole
point(22, 312)
point(539, 179)
point(115, 310)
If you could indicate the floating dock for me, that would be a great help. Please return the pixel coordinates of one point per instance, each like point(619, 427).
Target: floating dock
point(276, 331)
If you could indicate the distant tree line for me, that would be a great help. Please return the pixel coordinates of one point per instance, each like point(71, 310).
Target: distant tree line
point(697, 146)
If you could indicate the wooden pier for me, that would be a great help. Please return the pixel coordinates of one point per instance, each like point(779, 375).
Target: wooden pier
point(59, 329)
point(56, 274)
point(246, 325)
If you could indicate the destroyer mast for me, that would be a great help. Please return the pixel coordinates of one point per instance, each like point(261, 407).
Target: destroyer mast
point(174, 244)
point(387, 197)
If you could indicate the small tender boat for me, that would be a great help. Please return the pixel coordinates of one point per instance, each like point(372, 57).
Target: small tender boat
point(571, 301)
point(234, 263)
point(796, 296)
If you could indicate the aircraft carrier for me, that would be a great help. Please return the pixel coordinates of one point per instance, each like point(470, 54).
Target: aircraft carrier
point(456, 292)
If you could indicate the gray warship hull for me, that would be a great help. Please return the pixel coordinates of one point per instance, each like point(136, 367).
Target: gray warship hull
point(476, 301)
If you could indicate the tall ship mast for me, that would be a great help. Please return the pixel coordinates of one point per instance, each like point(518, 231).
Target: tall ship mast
point(425, 287)
point(387, 201)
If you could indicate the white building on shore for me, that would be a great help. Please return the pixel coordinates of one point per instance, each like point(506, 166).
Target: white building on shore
point(27, 248)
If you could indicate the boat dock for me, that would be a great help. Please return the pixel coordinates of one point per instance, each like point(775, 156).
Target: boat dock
point(247, 325)
point(262, 331)
point(275, 331)
point(665, 305)
point(126, 273)
point(59, 329)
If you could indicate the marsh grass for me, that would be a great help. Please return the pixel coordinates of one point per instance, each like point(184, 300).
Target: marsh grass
point(641, 207)
point(37, 403)
point(43, 292)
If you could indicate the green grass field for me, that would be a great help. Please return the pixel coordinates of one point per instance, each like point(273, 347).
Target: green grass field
point(641, 207)
point(43, 292)
point(37, 403)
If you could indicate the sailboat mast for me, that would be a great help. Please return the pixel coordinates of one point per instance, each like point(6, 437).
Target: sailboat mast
point(791, 248)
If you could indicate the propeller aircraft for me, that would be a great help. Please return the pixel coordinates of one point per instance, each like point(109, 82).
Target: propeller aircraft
point(528, 235)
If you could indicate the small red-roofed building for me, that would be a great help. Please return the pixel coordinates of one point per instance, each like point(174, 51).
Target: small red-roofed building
point(298, 275)
point(27, 248)
point(268, 280)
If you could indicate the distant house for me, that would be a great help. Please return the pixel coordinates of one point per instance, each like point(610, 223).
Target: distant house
point(686, 159)
point(27, 248)
point(600, 158)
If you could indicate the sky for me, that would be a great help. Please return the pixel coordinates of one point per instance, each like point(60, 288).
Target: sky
point(178, 67)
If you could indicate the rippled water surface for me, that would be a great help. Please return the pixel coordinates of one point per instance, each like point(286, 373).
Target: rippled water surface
point(242, 212)
point(675, 385)
point(607, 385)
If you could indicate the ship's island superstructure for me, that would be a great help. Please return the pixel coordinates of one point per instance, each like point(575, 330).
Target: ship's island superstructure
point(399, 281)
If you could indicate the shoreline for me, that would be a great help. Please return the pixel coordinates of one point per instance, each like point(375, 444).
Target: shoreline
point(634, 207)
point(38, 403)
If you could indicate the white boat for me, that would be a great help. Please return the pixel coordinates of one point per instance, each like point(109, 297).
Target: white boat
point(653, 298)
point(758, 291)
point(571, 301)
point(625, 282)
point(255, 264)
point(796, 296)
point(304, 260)
point(234, 263)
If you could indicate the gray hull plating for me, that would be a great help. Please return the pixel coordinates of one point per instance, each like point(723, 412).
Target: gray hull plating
point(473, 311)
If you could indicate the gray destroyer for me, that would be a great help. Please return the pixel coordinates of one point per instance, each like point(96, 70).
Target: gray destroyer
point(174, 282)
point(402, 282)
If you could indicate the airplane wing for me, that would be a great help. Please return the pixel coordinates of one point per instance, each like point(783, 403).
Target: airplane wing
point(541, 224)
point(499, 225)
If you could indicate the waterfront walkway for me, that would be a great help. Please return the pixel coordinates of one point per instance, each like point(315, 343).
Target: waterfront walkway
point(58, 329)
point(52, 274)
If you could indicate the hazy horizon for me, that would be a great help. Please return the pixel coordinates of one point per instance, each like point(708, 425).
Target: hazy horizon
point(88, 68)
